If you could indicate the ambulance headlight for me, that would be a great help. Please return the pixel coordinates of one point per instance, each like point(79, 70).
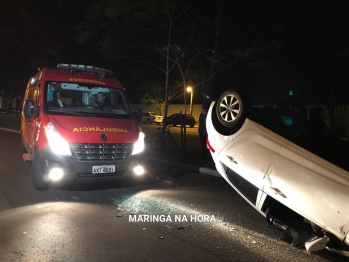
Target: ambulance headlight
point(138, 170)
point(57, 144)
point(139, 145)
point(56, 174)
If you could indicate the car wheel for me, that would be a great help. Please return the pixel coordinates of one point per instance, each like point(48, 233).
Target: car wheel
point(191, 126)
point(230, 109)
point(148, 121)
point(38, 178)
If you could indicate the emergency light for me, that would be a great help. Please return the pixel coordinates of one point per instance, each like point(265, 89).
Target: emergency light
point(85, 68)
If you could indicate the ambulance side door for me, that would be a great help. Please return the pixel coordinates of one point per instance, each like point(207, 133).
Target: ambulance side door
point(30, 129)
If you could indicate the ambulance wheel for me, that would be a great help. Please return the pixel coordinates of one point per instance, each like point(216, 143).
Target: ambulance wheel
point(38, 178)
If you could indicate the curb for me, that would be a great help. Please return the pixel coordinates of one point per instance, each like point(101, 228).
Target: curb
point(178, 165)
point(10, 130)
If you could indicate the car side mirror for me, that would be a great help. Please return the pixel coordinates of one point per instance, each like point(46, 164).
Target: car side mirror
point(30, 110)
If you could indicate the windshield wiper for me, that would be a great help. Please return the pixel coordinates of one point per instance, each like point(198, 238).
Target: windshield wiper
point(89, 114)
point(110, 115)
point(69, 112)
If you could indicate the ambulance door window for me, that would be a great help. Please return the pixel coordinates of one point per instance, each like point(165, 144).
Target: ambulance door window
point(31, 94)
point(34, 95)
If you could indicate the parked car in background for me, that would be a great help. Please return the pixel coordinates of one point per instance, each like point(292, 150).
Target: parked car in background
point(280, 163)
point(151, 117)
point(175, 120)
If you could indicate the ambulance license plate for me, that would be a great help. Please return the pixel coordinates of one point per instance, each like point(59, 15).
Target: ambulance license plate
point(103, 169)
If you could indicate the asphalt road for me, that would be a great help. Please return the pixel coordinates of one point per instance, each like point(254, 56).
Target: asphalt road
point(94, 222)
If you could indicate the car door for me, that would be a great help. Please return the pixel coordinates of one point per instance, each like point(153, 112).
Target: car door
point(310, 186)
point(246, 160)
point(26, 125)
point(172, 119)
point(144, 117)
point(251, 154)
point(152, 117)
point(32, 123)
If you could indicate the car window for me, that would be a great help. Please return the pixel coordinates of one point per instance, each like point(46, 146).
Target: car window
point(243, 186)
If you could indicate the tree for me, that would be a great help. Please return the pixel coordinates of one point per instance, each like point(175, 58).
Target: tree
point(193, 42)
point(35, 34)
point(155, 95)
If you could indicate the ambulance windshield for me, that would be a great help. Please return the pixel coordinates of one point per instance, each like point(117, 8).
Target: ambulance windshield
point(85, 100)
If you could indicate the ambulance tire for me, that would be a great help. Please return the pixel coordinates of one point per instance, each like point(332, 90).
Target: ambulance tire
point(38, 178)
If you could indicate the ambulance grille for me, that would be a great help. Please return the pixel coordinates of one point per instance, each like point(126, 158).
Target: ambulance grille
point(101, 152)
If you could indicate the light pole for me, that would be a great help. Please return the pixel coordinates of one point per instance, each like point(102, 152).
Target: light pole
point(189, 89)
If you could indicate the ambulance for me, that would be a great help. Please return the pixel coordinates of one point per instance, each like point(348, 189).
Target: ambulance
point(77, 126)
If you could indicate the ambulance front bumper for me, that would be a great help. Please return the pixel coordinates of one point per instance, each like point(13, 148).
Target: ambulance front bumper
point(88, 171)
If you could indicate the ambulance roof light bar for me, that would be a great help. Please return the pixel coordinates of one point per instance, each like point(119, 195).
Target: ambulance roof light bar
point(86, 69)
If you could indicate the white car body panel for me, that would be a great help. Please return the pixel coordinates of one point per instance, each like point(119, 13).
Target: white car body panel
point(246, 148)
point(309, 185)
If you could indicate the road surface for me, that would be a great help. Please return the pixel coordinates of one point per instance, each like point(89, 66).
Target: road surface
point(112, 222)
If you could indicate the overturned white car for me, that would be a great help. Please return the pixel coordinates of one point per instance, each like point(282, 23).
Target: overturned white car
point(294, 175)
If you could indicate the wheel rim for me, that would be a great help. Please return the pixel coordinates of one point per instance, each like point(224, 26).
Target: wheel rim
point(229, 108)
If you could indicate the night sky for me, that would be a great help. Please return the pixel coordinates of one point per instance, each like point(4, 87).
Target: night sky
point(281, 45)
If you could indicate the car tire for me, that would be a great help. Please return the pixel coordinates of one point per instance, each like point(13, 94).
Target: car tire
point(191, 126)
point(148, 121)
point(38, 178)
point(230, 109)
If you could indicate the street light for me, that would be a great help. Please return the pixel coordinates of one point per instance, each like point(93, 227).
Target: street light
point(189, 89)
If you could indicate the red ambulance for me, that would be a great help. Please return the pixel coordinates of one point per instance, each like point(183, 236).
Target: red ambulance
point(77, 126)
